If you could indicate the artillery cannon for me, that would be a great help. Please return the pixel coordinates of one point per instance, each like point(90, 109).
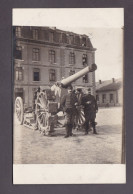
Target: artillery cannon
point(47, 103)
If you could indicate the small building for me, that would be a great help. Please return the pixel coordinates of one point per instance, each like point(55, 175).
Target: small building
point(109, 93)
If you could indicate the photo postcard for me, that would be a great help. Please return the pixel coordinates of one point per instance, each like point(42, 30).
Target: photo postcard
point(68, 105)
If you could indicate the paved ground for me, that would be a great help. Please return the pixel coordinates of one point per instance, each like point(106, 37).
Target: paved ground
point(30, 147)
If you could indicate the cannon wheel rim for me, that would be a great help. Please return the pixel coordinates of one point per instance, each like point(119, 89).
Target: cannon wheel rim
point(19, 110)
point(41, 112)
point(80, 117)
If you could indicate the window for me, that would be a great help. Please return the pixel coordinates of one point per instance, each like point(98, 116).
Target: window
point(18, 52)
point(111, 98)
point(77, 40)
point(83, 41)
point(64, 38)
point(51, 37)
point(19, 74)
point(52, 75)
point(71, 38)
point(85, 78)
point(35, 34)
point(104, 98)
point(36, 74)
point(72, 58)
point(46, 35)
point(57, 37)
point(18, 31)
point(84, 59)
point(36, 54)
point(52, 56)
point(71, 72)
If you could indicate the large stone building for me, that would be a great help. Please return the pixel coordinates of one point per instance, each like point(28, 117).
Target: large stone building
point(44, 55)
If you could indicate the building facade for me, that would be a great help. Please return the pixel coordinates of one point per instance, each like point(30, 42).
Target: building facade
point(109, 93)
point(44, 55)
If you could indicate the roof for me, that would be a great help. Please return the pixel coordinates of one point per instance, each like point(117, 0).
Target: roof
point(108, 85)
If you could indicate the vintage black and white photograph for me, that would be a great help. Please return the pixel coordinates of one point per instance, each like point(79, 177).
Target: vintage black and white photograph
point(68, 94)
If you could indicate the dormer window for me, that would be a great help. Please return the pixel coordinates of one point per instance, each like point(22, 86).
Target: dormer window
point(35, 34)
point(83, 41)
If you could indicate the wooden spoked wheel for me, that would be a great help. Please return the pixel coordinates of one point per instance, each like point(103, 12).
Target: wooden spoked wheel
point(19, 110)
point(80, 118)
point(42, 115)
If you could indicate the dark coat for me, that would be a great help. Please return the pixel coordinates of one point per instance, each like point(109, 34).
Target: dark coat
point(68, 101)
point(90, 106)
point(68, 104)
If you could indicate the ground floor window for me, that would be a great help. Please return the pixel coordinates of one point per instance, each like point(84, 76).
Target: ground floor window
point(103, 98)
point(111, 98)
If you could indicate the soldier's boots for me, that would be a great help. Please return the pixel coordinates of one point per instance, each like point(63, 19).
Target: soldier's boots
point(94, 128)
point(68, 130)
point(94, 131)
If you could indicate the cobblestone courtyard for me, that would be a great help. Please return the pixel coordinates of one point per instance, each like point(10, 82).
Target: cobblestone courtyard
point(30, 147)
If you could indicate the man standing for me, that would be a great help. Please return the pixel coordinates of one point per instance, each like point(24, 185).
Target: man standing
point(68, 103)
point(90, 110)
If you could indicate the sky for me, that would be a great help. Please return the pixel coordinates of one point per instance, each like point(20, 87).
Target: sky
point(102, 25)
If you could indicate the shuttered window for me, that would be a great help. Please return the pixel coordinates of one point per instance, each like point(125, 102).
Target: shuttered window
point(52, 56)
point(36, 54)
point(71, 58)
point(52, 75)
point(19, 74)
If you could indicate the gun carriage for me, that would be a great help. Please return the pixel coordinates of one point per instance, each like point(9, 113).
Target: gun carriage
point(44, 114)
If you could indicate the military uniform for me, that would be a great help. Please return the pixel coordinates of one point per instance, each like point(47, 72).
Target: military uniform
point(34, 102)
point(90, 109)
point(68, 103)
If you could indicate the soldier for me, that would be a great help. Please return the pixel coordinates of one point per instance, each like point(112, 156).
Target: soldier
point(90, 110)
point(34, 102)
point(68, 102)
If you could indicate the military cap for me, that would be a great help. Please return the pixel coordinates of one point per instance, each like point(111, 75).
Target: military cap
point(89, 89)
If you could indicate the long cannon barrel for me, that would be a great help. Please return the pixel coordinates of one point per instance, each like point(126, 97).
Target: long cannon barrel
point(65, 82)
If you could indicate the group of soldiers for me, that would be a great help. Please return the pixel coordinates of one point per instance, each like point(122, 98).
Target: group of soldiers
point(71, 104)
point(71, 101)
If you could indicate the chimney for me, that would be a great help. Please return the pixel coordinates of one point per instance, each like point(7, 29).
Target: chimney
point(100, 81)
point(113, 80)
